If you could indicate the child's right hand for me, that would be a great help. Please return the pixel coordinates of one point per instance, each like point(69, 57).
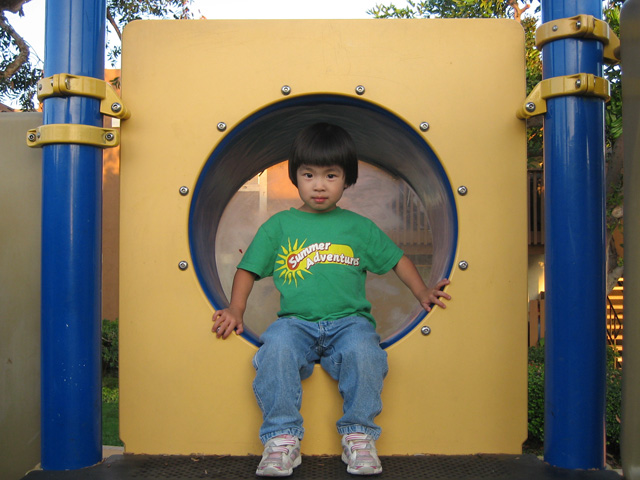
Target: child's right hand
point(227, 321)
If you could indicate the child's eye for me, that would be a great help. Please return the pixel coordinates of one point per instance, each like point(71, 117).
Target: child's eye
point(332, 176)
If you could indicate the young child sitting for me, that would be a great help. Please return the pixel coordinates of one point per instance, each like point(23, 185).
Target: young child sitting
point(319, 255)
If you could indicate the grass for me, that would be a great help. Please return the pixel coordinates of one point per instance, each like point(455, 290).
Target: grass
point(110, 412)
point(110, 430)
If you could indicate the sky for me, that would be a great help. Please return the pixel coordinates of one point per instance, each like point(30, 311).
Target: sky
point(31, 26)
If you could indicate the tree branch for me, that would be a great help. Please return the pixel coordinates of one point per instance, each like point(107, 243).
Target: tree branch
point(517, 11)
point(114, 24)
point(13, 6)
point(22, 57)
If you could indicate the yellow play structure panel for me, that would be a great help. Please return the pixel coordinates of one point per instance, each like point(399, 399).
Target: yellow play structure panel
point(214, 107)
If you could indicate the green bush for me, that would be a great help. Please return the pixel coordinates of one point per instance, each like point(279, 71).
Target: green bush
point(536, 354)
point(536, 393)
point(536, 398)
point(536, 402)
point(110, 395)
point(110, 347)
point(614, 401)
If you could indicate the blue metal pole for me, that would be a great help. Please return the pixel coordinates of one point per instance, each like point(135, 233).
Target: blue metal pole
point(575, 253)
point(71, 247)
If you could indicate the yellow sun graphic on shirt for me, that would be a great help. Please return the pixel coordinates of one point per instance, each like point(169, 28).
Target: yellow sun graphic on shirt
point(290, 271)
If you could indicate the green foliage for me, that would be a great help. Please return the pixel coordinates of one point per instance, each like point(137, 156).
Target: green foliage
point(536, 397)
point(536, 353)
point(443, 9)
point(125, 11)
point(22, 85)
point(614, 400)
point(535, 408)
point(121, 12)
point(110, 395)
point(613, 112)
point(613, 415)
point(109, 346)
point(615, 198)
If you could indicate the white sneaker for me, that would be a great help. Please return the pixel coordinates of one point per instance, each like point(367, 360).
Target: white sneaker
point(281, 455)
point(360, 455)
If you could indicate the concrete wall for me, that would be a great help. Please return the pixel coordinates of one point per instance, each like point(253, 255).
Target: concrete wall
point(20, 212)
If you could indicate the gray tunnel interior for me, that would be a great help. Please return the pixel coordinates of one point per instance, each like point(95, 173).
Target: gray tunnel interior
point(393, 158)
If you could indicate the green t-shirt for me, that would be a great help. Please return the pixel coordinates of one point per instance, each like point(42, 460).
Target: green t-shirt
point(319, 261)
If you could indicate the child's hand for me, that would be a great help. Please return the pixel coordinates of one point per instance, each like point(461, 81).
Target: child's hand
point(434, 294)
point(407, 272)
point(226, 321)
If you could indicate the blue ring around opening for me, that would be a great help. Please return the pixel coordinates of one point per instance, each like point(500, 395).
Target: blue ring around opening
point(276, 125)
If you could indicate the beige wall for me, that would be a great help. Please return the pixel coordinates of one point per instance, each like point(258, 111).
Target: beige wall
point(20, 230)
point(20, 198)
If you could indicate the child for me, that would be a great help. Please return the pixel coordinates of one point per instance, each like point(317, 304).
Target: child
point(318, 255)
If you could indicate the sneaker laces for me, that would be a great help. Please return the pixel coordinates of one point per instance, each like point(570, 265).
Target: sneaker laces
point(360, 444)
point(279, 446)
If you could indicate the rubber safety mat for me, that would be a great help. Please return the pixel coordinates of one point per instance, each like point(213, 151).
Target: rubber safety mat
point(441, 467)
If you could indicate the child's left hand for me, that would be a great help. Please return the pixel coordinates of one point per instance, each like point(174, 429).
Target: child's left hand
point(433, 295)
point(427, 296)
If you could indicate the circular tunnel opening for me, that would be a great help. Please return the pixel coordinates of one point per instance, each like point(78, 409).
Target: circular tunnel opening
point(402, 186)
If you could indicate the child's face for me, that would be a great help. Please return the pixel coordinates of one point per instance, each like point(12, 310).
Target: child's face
point(320, 188)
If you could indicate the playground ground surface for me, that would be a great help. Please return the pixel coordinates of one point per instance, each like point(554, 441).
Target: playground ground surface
point(119, 466)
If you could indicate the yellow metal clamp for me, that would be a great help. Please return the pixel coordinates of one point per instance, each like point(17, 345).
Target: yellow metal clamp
point(64, 84)
point(585, 84)
point(73, 133)
point(581, 26)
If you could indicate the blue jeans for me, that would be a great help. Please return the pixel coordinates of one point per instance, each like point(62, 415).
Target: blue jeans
point(348, 349)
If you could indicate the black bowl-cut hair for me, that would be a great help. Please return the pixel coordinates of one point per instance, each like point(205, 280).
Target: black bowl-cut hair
point(323, 145)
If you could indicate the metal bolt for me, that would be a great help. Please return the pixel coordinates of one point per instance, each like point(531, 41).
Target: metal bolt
point(286, 90)
point(578, 83)
point(424, 126)
point(462, 190)
point(463, 264)
point(109, 137)
point(116, 107)
point(360, 89)
point(67, 83)
point(425, 330)
point(578, 24)
point(183, 265)
point(222, 126)
point(39, 86)
point(530, 107)
point(184, 191)
point(32, 137)
point(554, 28)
